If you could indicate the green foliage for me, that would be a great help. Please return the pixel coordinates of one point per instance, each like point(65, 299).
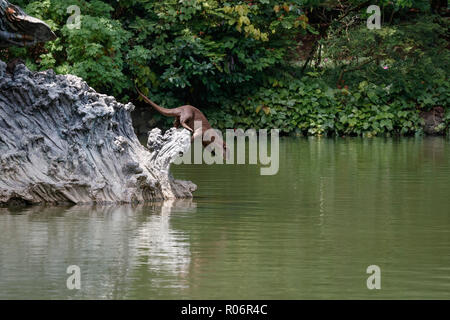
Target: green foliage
point(238, 61)
point(192, 48)
point(412, 58)
point(311, 107)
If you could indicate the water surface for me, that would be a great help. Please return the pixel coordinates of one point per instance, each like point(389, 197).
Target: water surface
point(310, 232)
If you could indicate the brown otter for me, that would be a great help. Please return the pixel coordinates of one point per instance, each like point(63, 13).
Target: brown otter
point(187, 116)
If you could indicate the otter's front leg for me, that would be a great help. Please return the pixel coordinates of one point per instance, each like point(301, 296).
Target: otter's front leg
point(197, 134)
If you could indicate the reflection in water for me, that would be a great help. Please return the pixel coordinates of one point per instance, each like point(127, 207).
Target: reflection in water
point(162, 250)
point(107, 242)
point(335, 207)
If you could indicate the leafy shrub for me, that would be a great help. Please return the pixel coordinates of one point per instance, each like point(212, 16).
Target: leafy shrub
point(311, 107)
point(238, 61)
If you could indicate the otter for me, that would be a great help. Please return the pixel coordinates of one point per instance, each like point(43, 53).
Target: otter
point(186, 116)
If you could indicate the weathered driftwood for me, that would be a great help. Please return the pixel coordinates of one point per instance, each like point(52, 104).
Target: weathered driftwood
point(60, 141)
point(19, 29)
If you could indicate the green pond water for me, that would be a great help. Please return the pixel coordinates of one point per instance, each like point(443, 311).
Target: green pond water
point(309, 232)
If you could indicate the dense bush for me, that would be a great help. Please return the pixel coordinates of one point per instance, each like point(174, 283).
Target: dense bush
point(369, 82)
point(244, 62)
point(412, 58)
point(310, 107)
point(192, 49)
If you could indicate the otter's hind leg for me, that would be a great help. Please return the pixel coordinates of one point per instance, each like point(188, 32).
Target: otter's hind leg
point(176, 122)
point(183, 119)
